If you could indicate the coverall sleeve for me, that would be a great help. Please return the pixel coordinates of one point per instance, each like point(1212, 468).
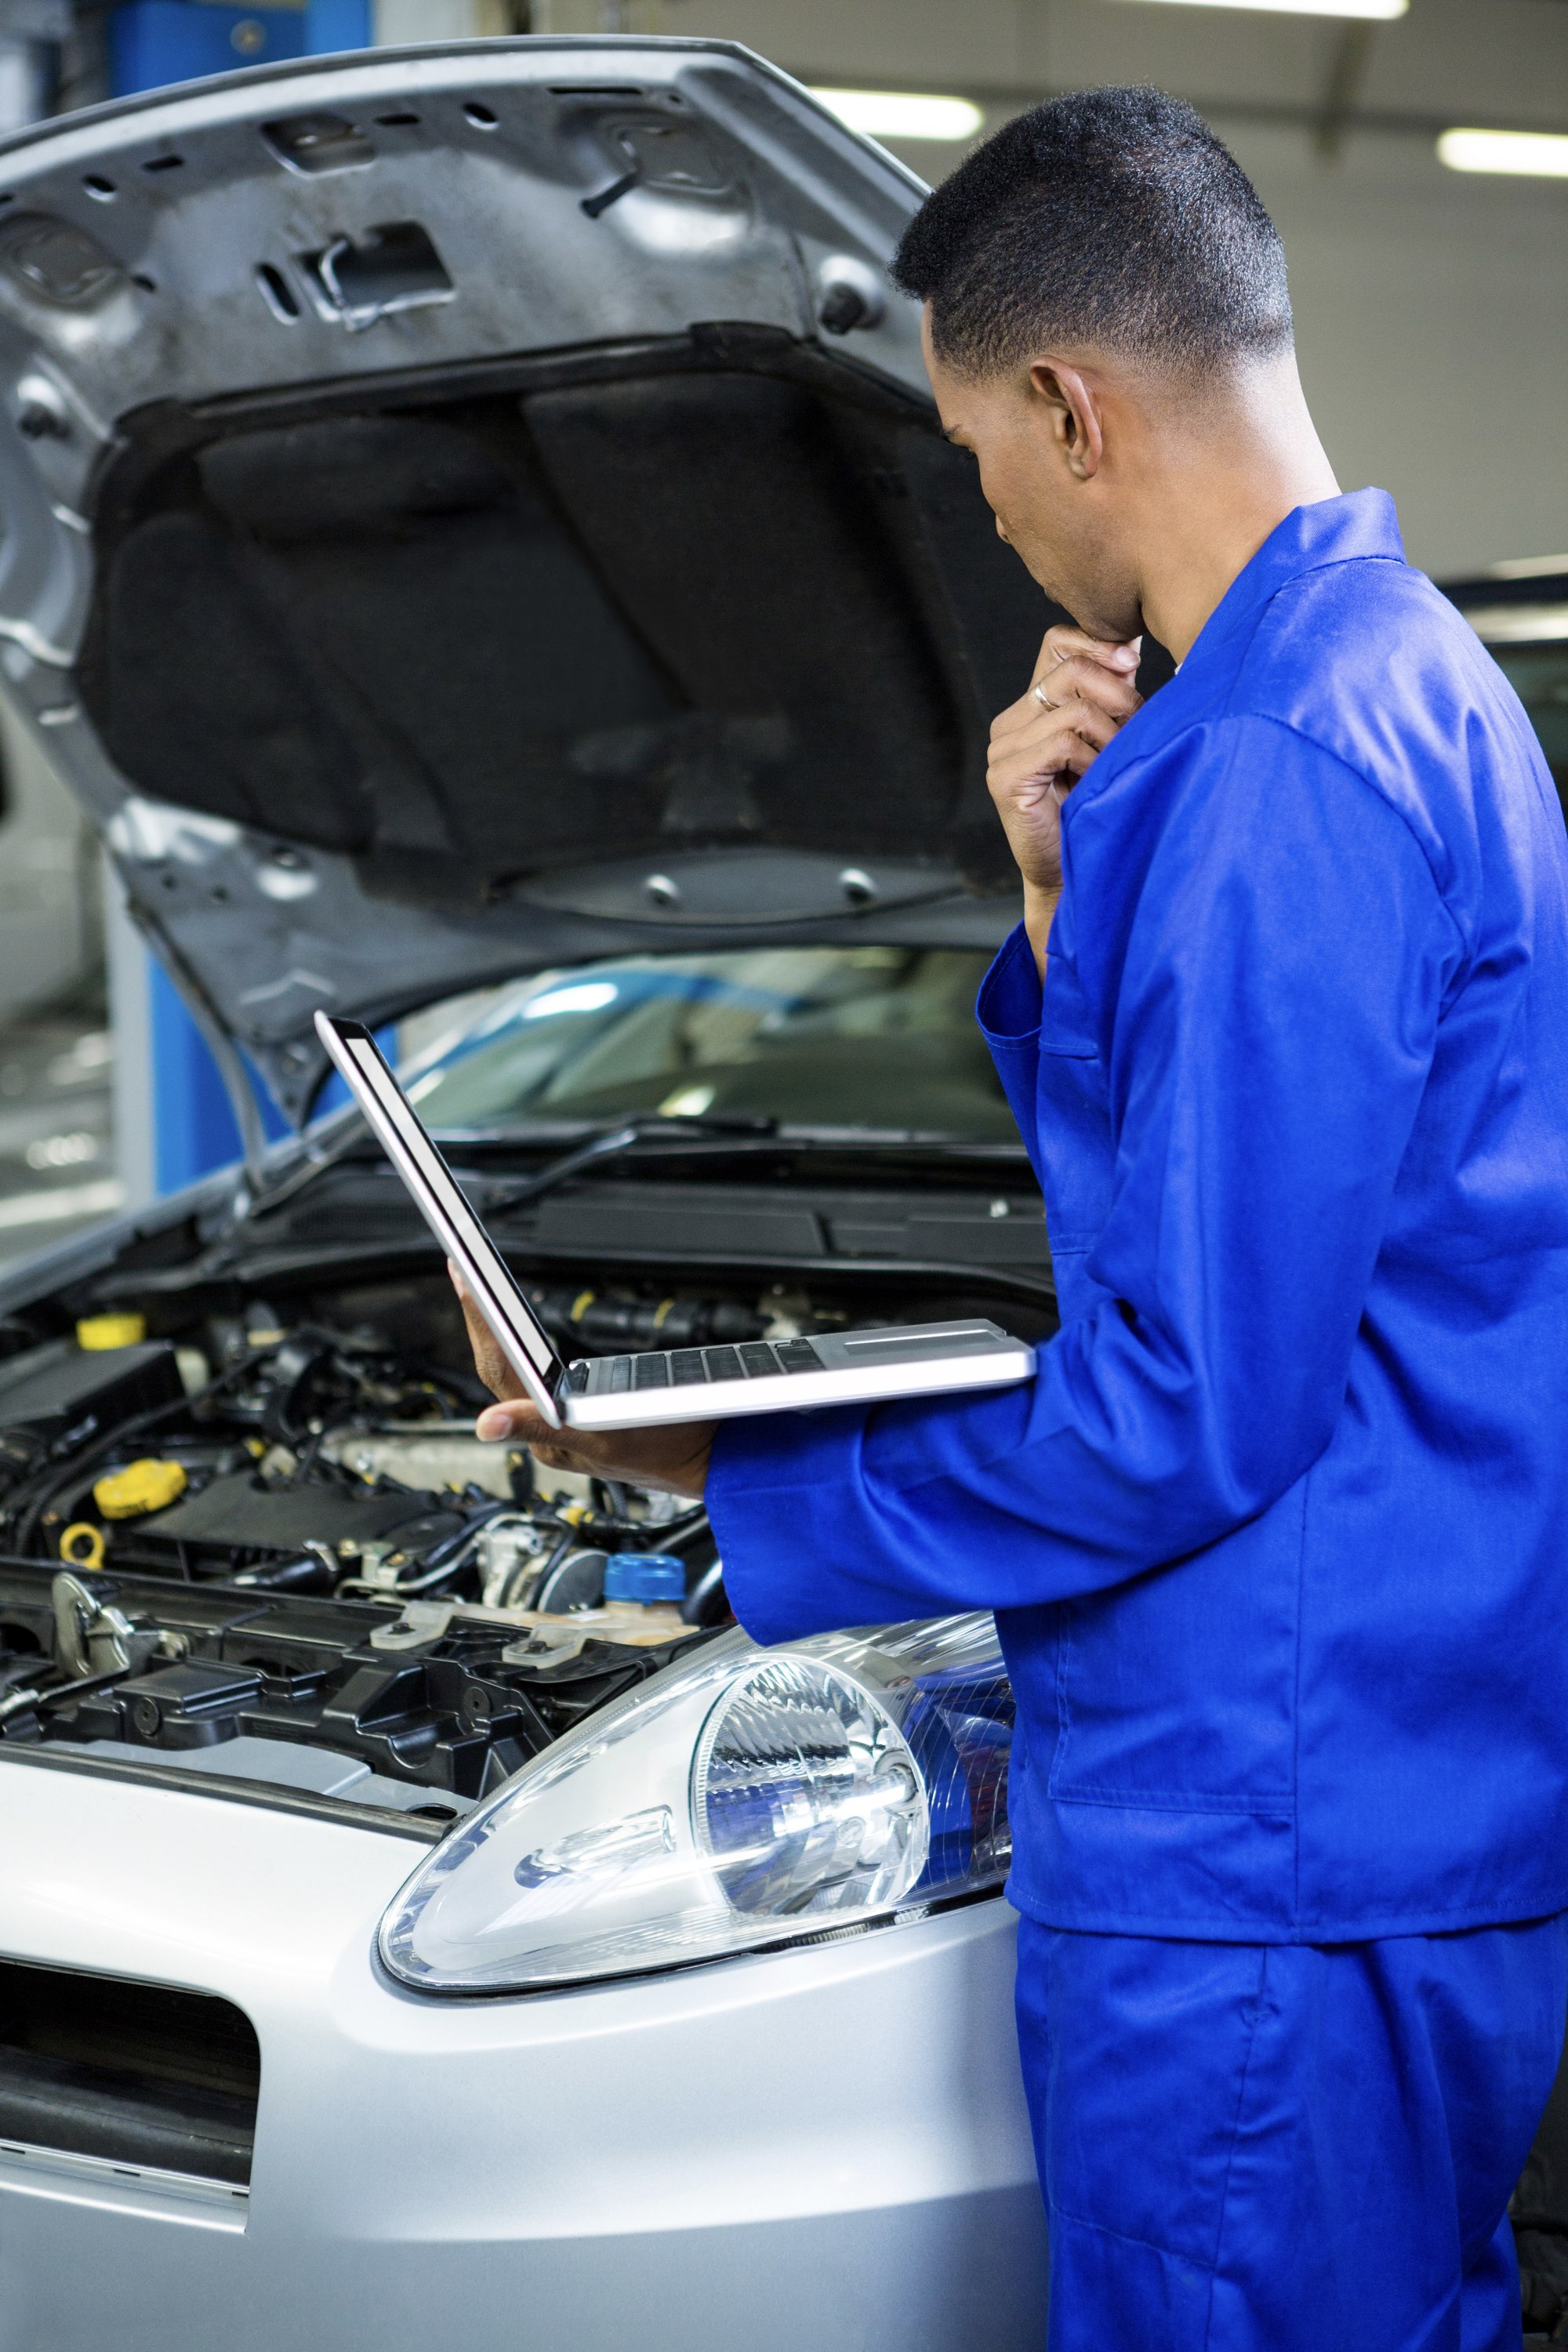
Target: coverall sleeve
point(1009, 1016)
point(1275, 968)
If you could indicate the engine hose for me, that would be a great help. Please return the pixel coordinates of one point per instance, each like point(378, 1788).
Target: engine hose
point(35, 1702)
point(448, 1558)
point(623, 1326)
point(678, 1536)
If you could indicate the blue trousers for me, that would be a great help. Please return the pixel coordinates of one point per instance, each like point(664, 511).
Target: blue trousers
point(1255, 2147)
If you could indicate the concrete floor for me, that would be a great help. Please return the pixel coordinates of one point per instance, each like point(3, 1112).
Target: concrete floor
point(57, 1141)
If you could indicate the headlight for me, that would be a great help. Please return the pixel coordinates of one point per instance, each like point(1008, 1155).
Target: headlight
point(742, 1798)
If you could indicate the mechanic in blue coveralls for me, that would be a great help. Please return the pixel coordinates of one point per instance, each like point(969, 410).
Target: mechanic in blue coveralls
point(1278, 1539)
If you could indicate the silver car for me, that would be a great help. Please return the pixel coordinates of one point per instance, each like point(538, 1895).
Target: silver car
point(474, 537)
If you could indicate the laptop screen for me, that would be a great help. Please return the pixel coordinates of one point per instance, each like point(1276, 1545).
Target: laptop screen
point(437, 1192)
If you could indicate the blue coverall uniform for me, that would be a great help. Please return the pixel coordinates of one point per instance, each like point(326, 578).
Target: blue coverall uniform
point(1278, 1538)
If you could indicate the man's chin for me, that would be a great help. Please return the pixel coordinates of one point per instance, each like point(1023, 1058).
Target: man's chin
point(1106, 627)
point(1112, 616)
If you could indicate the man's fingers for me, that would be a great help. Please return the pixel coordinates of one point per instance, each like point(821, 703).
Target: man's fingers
point(518, 1419)
point(1076, 714)
point(1064, 739)
point(1082, 692)
point(1079, 679)
point(672, 1457)
point(1062, 642)
point(488, 1362)
point(1065, 643)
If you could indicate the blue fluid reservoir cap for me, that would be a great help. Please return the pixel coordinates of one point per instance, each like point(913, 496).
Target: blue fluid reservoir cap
point(645, 1576)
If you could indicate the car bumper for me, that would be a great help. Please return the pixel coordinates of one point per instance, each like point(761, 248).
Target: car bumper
point(820, 2148)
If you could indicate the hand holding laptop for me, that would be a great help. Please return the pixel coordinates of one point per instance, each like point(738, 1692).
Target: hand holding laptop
point(678, 1390)
point(671, 1457)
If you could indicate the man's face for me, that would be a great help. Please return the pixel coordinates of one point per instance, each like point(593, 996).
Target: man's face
point(1062, 525)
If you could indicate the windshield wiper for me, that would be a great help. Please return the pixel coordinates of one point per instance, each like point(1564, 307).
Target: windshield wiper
point(612, 1142)
point(740, 1132)
point(729, 1137)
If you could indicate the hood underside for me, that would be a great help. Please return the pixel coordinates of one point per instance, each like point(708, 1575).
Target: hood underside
point(472, 508)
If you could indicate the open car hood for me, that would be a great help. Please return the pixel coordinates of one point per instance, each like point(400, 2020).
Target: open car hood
point(468, 509)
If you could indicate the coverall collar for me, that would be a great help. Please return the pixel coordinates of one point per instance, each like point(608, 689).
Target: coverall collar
point(1358, 525)
point(1331, 530)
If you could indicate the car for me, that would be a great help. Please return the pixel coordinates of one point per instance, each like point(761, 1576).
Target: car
point(478, 542)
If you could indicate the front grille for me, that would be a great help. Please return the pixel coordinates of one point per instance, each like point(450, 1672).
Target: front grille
point(137, 2074)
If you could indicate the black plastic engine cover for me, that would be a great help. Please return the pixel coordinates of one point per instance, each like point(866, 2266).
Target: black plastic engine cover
point(452, 1713)
point(239, 1513)
point(63, 1395)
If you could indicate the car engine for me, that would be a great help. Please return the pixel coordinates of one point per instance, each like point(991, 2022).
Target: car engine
point(251, 1524)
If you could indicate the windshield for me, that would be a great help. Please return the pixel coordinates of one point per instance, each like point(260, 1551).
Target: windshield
point(840, 1037)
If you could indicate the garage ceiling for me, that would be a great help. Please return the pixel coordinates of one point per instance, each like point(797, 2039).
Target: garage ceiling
point(1500, 63)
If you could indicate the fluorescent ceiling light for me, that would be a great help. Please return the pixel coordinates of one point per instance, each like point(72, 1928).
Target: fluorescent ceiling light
point(1533, 154)
point(1519, 625)
point(1383, 11)
point(902, 113)
point(1527, 567)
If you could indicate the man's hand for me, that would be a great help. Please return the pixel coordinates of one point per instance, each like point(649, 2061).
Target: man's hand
point(672, 1457)
point(1080, 695)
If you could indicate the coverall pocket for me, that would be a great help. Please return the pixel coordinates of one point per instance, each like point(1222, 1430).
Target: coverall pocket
point(1132, 1660)
point(1072, 1122)
point(1075, 1148)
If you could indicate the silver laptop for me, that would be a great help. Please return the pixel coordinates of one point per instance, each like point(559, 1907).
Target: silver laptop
point(662, 1384)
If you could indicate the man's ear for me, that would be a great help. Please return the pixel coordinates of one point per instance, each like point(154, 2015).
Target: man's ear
point(1073, 414)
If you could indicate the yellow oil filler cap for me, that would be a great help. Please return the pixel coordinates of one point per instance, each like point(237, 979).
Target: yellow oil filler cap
point(99, 1331)
point(149, 1486)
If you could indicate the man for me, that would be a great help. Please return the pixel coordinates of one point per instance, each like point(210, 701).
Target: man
point(1276, 1540)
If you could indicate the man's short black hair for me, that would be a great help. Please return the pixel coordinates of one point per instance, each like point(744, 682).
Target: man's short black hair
point(1113, 219)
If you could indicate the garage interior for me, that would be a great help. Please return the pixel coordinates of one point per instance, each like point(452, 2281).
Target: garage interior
point(1431, 323)
point(550, 541)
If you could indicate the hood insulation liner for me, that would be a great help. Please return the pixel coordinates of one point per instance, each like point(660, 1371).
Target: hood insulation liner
point(718, 590)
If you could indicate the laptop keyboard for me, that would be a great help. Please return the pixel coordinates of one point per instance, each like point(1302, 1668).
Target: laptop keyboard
point(680, 1368)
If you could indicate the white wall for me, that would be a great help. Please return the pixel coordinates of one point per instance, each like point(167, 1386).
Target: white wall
point(1432, 306)
point(45, 915)
point(407, 22)
point(1433, 330)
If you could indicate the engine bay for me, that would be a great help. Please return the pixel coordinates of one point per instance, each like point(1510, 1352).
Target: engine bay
point(257, 1536)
